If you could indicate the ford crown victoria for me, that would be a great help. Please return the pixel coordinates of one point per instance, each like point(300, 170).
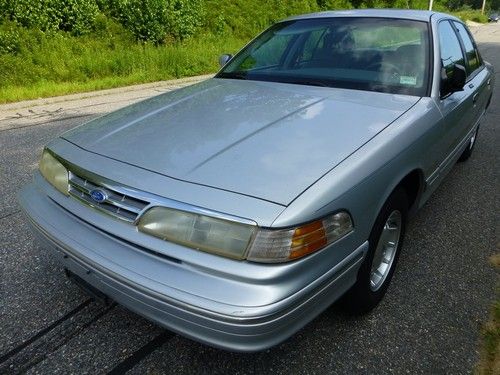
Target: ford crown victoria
point(236, 210)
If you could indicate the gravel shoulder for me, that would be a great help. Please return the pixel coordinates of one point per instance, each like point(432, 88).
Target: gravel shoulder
point(39, 111)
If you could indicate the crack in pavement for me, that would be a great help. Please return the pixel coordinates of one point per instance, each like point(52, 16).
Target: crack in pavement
point(23, 114)
point(8, 215)
point(62, 118)
point(47, 341)
point(39, 334)
point(144, 351)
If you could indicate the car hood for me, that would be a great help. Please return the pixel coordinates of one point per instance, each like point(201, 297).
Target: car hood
point(262, 139)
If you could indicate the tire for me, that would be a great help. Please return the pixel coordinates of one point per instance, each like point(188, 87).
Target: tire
point(372, 285)
point(470, 147)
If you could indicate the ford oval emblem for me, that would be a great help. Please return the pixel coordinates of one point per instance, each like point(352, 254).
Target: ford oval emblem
point(98, 195)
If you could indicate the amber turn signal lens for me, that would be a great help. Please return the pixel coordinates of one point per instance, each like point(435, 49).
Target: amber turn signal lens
point(307, 239)
point(283, 245)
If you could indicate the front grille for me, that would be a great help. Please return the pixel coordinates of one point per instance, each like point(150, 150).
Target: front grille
point(117, 204)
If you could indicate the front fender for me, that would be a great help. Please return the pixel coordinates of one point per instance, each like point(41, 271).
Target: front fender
point(362, 183)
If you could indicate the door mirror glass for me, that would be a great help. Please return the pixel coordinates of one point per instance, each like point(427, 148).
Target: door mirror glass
point(455, 82)
point(224, 59)
point(458, 78)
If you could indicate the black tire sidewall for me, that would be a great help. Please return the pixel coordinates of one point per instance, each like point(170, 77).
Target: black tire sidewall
point(362, 298)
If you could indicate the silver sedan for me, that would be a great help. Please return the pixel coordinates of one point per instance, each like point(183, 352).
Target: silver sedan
point(236, 210)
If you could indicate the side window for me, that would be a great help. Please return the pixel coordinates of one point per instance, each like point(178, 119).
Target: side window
point(451, 52)
point(470, 50)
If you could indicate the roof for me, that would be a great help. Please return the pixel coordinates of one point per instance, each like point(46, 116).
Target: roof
point(411, 14)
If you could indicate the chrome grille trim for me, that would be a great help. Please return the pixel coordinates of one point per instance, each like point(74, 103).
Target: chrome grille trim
point(117, 204)
point(150, 199)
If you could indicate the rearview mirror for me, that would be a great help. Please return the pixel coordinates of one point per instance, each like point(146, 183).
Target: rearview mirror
point(224, 59)
point(455, 82)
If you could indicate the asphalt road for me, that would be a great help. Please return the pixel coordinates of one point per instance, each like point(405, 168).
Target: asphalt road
point(429, 321)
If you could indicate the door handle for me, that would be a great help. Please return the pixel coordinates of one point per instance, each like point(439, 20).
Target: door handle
point(471, 85)
point(474, 97)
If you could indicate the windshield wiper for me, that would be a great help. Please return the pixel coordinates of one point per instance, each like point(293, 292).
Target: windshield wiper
point(233, 75)
point(309, 82)
point(292, 80)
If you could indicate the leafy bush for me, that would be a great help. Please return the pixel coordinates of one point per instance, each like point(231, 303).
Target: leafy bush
point(156, 20)
point(9, 40)
point(75, 16)
point(146, 19)
point(334, 4)
point(32, 14)
point(3, 8)
point(184, 17)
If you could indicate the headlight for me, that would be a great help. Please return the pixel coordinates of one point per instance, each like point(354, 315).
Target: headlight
point(54, 172)
point(234, 239)
point(201, 232)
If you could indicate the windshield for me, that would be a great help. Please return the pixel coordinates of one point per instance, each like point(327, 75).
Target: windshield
point(375, 54)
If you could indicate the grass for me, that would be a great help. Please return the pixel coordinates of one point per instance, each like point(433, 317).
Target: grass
point(58, 64)
point(489, 363)
point(471, 15)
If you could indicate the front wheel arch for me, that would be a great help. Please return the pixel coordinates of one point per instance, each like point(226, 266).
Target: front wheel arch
point(363, 297)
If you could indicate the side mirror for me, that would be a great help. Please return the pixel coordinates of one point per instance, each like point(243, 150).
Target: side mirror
point(454, 83)
point(224, 59)
point(458, 78)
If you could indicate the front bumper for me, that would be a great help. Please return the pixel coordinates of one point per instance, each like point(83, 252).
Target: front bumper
point(129, 275)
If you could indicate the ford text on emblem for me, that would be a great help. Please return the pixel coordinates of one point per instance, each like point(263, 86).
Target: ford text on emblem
point(98, 195)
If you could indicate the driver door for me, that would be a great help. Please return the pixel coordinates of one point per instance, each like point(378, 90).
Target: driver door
point(457, 107)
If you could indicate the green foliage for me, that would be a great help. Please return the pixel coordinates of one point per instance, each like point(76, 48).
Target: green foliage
point(57, 64)
point(471, 15)
point(9, 39)
point(419, 4)
point(31, 14)
point(146, 19)
point(245, 19)
point(75, 16)
point(184, 17)
point(158, 20)
point(3, 8)
point(334, 4)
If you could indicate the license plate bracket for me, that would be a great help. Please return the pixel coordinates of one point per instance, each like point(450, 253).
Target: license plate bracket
point(93, 292)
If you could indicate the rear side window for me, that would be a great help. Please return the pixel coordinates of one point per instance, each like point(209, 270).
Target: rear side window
point(470, 50)
point(451, 52)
